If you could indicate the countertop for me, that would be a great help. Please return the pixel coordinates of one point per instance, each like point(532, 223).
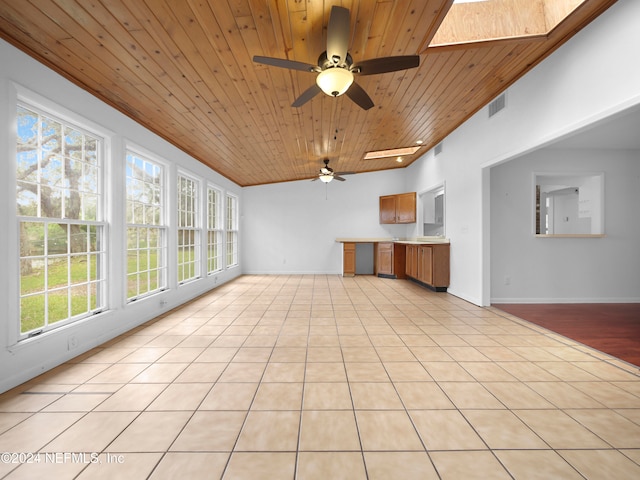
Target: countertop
point(407, 241)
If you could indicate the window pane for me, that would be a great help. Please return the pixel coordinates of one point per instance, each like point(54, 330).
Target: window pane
point(132, 285)
point(58, 305)
point(51, 135)
point(31, 275)
point(27, 199)
point(28, 165)
point(94, 296)
point(94, 238)
point(57, 272)
point(79, 272)
point(91, 151)
point(57, 239)
point(79, 299)
point(78, 236)
point(32, 313)
point(93, 267)
point(89, 207)
point(50, 202)
point(31, 239)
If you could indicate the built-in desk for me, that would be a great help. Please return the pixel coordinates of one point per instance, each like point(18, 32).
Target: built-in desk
point(423, 260)
point(349, 253)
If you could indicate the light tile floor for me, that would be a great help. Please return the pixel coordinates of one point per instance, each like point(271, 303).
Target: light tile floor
point(324, 377)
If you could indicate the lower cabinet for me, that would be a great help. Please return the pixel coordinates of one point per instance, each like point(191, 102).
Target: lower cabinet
point(429, 264)
point(348, 259)
point(389, 260)
point(384, 259)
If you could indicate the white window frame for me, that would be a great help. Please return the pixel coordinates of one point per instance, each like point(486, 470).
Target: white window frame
point(188, 228)
point(215, 231)
point(232, 209)
point(138, 221)
point(93, 282)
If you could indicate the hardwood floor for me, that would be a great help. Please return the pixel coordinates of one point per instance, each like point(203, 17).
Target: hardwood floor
point(612, 328)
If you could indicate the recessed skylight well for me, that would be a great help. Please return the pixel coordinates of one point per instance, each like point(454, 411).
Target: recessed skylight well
point(394, 152)
point(469, 21)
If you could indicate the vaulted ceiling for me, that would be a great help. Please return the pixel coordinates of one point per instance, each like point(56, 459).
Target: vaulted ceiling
point(184, 69)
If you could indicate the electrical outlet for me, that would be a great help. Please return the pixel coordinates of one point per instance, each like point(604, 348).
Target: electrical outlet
point(507, 280)
point(163, 303)
point(72, 342)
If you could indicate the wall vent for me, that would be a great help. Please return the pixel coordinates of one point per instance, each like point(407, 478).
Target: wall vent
point(498, 104)
point(438, 149)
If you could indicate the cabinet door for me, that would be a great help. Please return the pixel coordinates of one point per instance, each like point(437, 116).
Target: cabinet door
point(441, 265)
point(411, 265)
point(349, 259)
point(406, 208)
point(425, 264)
point(385, 258)
point(388, 209)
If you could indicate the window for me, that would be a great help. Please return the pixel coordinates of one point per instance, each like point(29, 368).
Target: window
point(232, 230)
point(188, 230)
point(59, 205)
point(214, 231)
point(146, 230)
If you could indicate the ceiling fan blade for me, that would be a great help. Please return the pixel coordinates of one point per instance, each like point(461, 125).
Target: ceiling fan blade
point(359, 96)
point(339, 178)
point(284, 63)
point(344, 173)
point(307, 95)
point(386, 64)
point(314, 179)
point(338, 34)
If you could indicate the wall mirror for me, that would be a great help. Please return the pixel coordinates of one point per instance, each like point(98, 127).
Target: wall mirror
point(432, 202)
point(569, 205)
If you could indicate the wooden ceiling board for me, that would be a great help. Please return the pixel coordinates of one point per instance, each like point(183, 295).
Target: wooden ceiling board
point(185, 71)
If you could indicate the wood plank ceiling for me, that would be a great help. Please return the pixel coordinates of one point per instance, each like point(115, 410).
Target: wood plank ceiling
point(183, 69)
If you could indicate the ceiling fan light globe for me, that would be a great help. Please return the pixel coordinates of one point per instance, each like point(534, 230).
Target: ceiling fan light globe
point(334, 81)
point(326, 178)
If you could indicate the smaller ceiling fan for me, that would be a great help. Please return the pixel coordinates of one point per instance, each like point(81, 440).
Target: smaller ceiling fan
point(336, 68)
point(326, 174)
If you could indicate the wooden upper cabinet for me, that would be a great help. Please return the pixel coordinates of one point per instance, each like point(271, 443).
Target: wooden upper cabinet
point(400, 208)
point(406, 208)
point(388, 209)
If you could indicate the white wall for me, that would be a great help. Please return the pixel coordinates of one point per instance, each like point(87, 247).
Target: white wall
point(292, 227)
point(24, 360)
point(556, 270)
point(588, 79)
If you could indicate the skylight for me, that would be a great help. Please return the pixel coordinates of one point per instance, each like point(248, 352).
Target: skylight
point(394, 152)
point(483, 20)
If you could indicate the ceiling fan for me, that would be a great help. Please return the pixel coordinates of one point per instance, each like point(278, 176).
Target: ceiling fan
point(326, 174)
point(336, 68)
